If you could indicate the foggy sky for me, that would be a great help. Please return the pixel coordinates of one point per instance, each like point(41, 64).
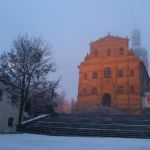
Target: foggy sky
point(70, 25)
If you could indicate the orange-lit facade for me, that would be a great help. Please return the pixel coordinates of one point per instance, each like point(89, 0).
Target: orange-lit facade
point(111, 75)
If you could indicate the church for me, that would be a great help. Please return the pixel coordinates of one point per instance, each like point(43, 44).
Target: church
point(112, 76)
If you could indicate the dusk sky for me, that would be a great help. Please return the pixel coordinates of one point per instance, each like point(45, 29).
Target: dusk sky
point(70, 25)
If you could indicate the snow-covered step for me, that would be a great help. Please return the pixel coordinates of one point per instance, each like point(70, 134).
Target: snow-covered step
point(73, 125)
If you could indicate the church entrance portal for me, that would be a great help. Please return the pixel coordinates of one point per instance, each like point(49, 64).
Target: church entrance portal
point(106, 99)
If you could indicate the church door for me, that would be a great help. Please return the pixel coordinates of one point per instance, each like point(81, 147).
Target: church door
point(106, 99)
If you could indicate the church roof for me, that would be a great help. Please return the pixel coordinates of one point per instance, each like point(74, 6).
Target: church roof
point(108, 38)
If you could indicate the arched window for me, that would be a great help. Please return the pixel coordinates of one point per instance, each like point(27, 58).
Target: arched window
point(94, 75)
point(120, 89)
point(120, 73)
point(107, 72)
point(132, 90)
point(94, 91)
point(95, 53)
point(109, 52)
point(1, 95)
point(121, 51)
point(10, 121)
point(84, 91)
point(131, 73)
point(85, 76)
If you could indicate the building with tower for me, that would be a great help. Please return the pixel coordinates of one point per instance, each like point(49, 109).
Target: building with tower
point(112, 76)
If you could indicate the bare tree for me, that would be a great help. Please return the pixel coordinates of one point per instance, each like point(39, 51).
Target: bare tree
point(28, 65)
point(64, 105)
point(60, 100)
point(73, 105)
point(42, 98)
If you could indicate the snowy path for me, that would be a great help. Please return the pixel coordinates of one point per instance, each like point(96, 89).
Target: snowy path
point(42, 142)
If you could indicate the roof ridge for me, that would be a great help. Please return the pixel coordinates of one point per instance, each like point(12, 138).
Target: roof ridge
point(110, 36)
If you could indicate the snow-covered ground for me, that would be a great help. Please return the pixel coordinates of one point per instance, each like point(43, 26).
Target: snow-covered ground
point(36, 118)
point(42, 142)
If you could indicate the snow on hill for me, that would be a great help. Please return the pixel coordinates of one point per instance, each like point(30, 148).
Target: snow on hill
point(43, 142)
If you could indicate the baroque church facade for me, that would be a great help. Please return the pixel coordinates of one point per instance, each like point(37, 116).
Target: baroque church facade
point(112, 76)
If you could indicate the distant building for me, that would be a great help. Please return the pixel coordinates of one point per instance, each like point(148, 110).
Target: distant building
point(146, 102)
point(9, 109)
point(112, 76)
point(137, 48)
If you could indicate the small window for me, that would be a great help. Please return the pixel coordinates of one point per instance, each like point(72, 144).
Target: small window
point(132, 91)
point(121, 51)
point(84, 91)
point(85, 76)
point(1, 96)
point(148, 100)
point(95, 53)
point(120, 73)
point(107, 72)
point(131, 73)
point(94, 91)
point(94, 75)
point(109, 52)
point(120, 90)
point(10, 121)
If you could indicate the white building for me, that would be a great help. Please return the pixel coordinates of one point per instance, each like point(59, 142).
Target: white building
point(146, 102)
point(9, 109)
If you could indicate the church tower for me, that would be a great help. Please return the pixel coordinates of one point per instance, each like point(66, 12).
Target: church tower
point(136, 38)
point(140, 52)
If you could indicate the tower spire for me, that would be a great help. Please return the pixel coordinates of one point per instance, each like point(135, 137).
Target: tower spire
point(136, 38)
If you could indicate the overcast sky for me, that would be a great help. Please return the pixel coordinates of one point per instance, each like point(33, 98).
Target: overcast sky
point(70, 25)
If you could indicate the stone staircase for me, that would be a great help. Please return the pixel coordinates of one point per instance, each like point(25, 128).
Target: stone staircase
point(91, 125)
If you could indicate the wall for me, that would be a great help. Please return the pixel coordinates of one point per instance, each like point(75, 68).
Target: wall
point(7, 109)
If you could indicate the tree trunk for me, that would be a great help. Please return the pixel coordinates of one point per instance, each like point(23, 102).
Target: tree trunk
point(21, 104)
point(20, 115)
